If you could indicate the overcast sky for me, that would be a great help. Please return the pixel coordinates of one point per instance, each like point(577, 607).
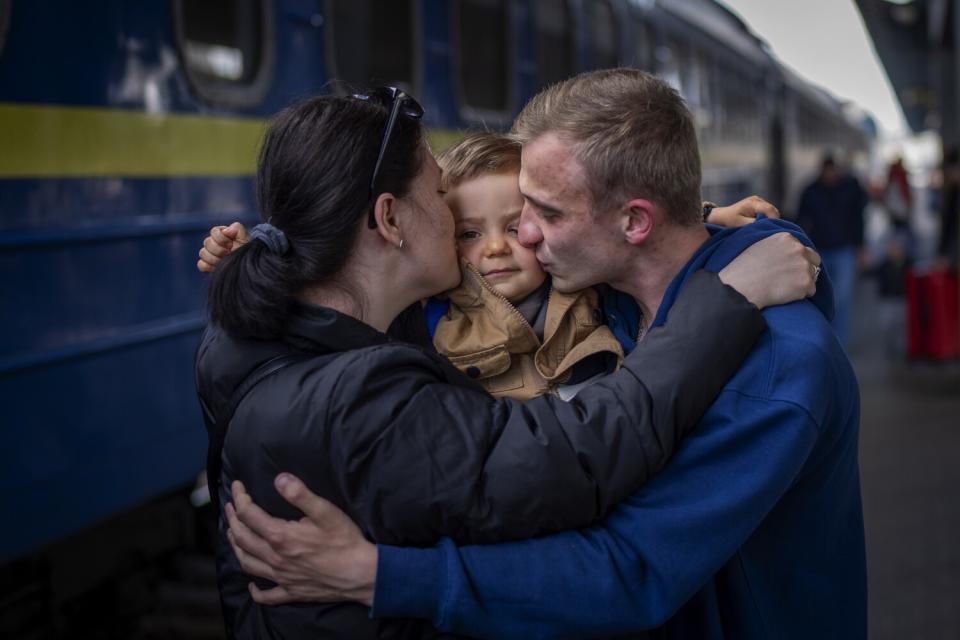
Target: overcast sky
point(826, 42)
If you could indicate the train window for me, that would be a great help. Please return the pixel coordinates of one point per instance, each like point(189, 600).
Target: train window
point(606, 40)
point(371, 43)
point(555, 44)
point(4, 22)
point(226, 49)
point(483, 54)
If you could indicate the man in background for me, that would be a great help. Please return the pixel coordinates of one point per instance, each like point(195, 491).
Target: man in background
point(831, 212)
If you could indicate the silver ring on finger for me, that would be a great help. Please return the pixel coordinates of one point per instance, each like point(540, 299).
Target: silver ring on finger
point(816, 273)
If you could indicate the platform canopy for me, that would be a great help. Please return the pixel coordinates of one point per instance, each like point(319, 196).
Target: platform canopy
point(916, 42)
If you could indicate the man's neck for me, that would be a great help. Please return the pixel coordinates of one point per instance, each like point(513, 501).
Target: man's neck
point(658, 263)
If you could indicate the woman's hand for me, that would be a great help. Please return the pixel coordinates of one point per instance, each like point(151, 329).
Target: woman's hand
point(219, 244)
point(323, 557)
point(742, 213)
point(776, 270)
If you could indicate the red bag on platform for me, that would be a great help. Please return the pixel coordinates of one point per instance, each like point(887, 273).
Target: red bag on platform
point(933, 315)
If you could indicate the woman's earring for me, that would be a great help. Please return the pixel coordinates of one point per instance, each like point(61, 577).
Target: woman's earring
point(401, 244)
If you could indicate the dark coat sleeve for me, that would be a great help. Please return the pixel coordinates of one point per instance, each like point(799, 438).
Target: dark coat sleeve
point(418, 456)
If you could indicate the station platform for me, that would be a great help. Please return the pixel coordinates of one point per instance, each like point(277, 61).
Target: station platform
point(909, 446)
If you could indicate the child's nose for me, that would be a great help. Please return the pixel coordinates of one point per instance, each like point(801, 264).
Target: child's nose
point(496, 246)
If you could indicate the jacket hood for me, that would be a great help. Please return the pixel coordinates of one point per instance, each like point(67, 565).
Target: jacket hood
point(726, 244)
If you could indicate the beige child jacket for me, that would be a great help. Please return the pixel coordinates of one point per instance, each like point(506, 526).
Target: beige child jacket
point(487, 338)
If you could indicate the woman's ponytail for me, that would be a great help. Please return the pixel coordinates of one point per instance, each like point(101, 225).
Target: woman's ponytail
point(250, 291)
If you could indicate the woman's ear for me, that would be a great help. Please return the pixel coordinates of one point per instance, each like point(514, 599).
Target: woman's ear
point(387, 213)
point(638, 220)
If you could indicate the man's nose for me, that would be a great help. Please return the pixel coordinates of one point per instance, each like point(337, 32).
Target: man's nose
point(528, 233)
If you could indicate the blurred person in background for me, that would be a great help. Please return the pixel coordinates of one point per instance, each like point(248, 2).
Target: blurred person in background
point(831, 212)
point(898, 203)
point(949, 210)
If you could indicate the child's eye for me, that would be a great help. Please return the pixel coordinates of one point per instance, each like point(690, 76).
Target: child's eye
point(469, 234)
point(513, 229)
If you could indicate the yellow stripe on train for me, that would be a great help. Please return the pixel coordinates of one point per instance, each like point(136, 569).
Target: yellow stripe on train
point(43, 141)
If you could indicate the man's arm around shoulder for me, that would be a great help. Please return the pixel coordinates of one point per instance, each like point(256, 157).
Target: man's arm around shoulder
point(636, 568)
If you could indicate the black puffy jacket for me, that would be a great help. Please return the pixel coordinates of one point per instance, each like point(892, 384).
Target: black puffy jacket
point(414, 450)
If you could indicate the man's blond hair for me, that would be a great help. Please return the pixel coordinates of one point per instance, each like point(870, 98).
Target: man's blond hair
point(476, 155)
point(632, 133)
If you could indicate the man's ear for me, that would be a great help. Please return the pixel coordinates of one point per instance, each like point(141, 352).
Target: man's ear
point(387, 212)
point(639, 219)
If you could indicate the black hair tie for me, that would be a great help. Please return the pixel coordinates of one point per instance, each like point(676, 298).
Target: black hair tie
point(275, 239)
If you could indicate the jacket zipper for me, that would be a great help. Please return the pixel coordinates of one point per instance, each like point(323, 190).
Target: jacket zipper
point(486, 285)
point(551, 386)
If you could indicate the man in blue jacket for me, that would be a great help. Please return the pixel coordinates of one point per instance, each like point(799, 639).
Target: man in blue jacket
point(754, 529)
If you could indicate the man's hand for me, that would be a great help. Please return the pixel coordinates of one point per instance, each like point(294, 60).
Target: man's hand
point(323, 557)
point(742, 213)
point(220, 242)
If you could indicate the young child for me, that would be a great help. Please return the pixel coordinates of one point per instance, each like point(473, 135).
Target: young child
point(504, 325)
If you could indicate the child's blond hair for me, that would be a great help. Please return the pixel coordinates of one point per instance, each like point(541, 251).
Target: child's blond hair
point(476, 155)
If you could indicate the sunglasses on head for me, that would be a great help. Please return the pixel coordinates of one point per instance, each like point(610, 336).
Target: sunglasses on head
point(399, 103)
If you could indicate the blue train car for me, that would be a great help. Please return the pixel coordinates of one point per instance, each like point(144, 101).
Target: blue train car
point(129, 129)
point(111, 169)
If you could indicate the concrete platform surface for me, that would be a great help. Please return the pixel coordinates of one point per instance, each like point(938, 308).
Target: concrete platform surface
point(910, 468)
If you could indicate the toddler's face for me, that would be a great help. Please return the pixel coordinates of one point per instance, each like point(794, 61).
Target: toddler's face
point(487, 214)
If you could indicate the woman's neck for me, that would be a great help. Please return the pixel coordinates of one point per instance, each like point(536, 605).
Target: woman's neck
point(375, 306)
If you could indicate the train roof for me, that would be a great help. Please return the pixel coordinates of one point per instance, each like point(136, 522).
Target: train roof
point(812, 92)
point(722, 24)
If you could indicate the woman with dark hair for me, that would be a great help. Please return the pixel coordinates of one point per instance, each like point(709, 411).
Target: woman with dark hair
point(297, 363)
